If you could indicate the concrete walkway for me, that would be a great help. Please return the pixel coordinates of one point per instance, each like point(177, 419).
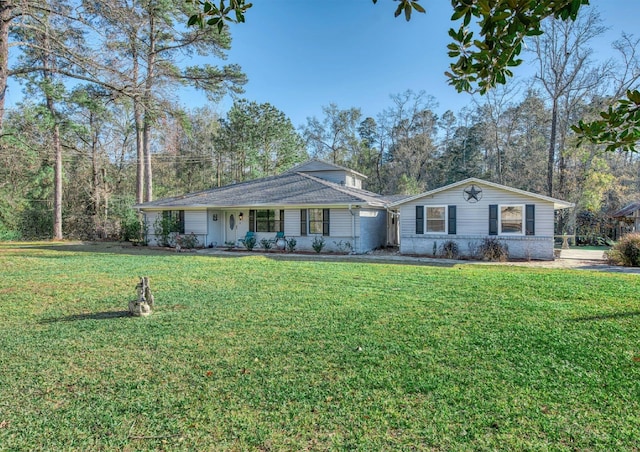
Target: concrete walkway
point(583, 255)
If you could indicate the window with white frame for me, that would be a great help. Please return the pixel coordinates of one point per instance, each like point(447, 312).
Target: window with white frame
point(436, 219)
point(511, 219)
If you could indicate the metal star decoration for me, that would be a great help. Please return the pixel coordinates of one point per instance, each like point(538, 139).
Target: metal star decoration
point(472, 194)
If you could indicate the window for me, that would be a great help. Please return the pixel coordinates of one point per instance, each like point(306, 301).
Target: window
point(318, 221)
point(511, 220)
point(176, 218)
point(436, 219)
point(266, 221)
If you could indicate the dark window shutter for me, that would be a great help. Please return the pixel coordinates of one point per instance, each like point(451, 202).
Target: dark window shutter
point(325, 222)
point(530, 217)
point(303, 221)
point(419, 219)
point(281, 229)
point(181, 221)
point(493, 219)
point(452, 219)
point(252, 220)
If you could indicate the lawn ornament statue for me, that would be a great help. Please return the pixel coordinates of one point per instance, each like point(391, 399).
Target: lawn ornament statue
point(142, 306)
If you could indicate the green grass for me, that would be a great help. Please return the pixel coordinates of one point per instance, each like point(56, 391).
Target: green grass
point(256, 353)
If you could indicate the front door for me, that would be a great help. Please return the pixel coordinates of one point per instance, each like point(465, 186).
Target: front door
point(231, 227)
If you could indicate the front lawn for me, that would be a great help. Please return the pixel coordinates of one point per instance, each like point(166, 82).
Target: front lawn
point(255, 353)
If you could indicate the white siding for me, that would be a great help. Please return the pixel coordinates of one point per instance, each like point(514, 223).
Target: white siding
point(473, 219)
point(472, 224)
point(195, 222)
point(292, 223)
point(151, 219)
point(341, 223)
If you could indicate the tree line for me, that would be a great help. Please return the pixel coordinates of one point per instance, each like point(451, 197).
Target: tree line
point(99, 129)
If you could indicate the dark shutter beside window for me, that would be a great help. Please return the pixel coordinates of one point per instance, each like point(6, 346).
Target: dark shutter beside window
point(419, 219)
point(452, 219)
point(530, 221)
point(493, 219)
point(281, 229)
point(181, 221)
point(252, 220)
point(303, 221)
point(325, 222)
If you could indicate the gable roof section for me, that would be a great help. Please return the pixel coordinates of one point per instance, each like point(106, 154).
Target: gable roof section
point(315, 165)
point(557, 203)
point(290, 188)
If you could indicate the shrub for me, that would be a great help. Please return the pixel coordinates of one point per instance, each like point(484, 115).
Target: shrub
point(250, 243)
point(344, 247)
point(266, 244)
point(318, 244)
point(7, 235)
point(291, 244)
point(449, 250)
point(626, 252)
point(492, 250)
point(188, 242)
point(134, 230)
point(165, 228)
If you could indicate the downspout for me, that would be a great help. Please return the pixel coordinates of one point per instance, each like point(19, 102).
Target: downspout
point(353, 228)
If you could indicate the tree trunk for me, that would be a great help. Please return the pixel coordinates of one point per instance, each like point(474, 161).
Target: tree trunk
point(148, 118)
point(552, 147)
point(57, 176)
point(148, 175)
point(137, 114)
point(6, 9)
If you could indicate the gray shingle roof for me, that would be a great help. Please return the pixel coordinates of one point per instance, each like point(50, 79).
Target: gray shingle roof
point(286, 189)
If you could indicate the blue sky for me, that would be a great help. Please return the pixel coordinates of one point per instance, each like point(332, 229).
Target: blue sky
point(300, 55)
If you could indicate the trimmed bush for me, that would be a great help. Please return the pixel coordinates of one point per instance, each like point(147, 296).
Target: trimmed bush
point(626, 252)
point(250, 243)
point(266, 244)
point(318, 244)
point(291, 244)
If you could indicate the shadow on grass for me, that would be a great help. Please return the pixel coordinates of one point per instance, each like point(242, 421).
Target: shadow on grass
point(105, 315)
point(617, 315)
point(128, 249)
point(90, 247)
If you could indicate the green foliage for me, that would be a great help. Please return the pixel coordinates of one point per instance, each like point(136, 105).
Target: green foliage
point(491, 249)
point(291, 244)
point(166, 227)
point(8, 235)
point(503, 25)
point(266, 243)
point(343, 246)
point(215, 14)
point(250, 242)
point(318, 244)
point(449, 250)
point(626, 251)
point(132, 228)
point(188, 241)
point(619, 128)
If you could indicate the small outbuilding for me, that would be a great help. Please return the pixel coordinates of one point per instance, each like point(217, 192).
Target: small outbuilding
point(471, 210)
point(628, 219)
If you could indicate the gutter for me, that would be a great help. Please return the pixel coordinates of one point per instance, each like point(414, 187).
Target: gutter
point(353, 227)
